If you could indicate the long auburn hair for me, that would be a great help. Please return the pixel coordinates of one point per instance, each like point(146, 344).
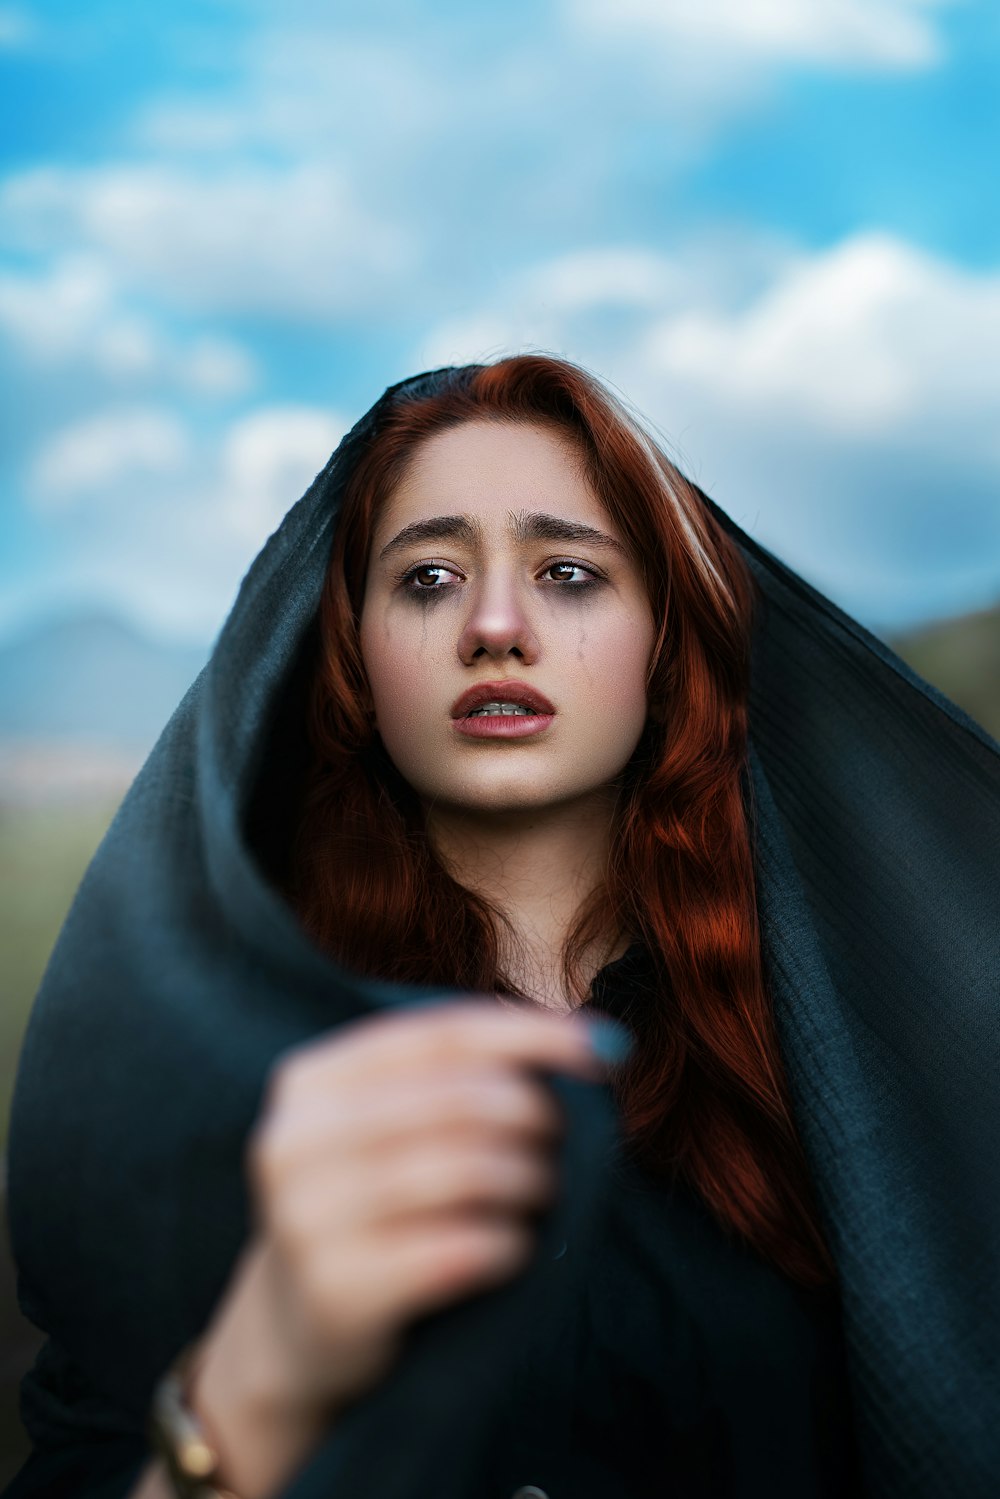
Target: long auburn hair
point(703, 1096)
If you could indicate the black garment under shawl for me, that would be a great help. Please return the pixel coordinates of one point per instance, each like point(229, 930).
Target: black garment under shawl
point(180, 975)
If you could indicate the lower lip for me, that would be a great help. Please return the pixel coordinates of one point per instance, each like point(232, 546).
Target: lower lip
point(503, 726)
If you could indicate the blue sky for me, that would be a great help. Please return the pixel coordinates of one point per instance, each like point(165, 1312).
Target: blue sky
point(225, 227)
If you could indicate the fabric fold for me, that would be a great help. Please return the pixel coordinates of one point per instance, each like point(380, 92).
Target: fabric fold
point(878, 819)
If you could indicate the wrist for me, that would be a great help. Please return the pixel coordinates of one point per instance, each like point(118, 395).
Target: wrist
point(244, 1396)
point(190, 1460)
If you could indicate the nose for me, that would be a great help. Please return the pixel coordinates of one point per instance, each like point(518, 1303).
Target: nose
point(497, 623)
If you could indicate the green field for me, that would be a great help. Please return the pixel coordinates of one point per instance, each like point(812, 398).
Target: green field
point(962, 657)
point(44, 851)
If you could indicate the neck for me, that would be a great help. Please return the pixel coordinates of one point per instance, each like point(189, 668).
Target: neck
point(537, 866)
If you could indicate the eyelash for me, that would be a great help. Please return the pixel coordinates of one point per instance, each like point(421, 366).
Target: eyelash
point(407, 584)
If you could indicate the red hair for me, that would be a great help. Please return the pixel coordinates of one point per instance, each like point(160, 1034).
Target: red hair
point(703, 1096)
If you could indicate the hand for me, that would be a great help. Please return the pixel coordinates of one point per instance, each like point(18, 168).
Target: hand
point(394, 1168)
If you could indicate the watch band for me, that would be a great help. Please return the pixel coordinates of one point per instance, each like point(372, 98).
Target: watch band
point(177, 1436)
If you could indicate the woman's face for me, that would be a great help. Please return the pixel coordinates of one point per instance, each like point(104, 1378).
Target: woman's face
point(496, 577)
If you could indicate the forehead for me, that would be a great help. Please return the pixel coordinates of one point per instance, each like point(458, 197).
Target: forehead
point(489, 470)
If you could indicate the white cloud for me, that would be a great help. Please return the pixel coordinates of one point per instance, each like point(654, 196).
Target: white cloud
point(894, 34)
point(53, 314)
point(546, 303)
point(451, 138)
point(267, 459)
point(600, 299)
point(309, 86)
point(108, 455)
point(160, 522)
point(74, 314)
point(625, 277)
point(870, 339)
point(292, 242)
point(18, 28)
point(216, 366)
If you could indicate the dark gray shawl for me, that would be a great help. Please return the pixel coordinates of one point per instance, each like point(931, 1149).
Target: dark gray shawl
point(180, 975)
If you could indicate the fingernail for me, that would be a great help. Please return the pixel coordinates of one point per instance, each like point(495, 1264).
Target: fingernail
point(609, 1041)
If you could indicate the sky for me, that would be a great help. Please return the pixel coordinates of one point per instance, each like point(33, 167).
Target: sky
point(225, 227)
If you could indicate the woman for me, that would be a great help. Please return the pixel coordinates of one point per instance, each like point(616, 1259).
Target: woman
point(527, 775)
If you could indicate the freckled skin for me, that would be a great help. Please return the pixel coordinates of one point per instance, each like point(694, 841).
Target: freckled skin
point(499, 608)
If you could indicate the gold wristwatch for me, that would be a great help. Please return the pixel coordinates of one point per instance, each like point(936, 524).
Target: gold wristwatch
point(177, 1437)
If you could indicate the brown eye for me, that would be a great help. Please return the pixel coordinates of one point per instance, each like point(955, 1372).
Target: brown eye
point(563, 572)
point(427, 576)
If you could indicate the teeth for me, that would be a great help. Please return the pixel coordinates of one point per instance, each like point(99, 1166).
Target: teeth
point(501, 710)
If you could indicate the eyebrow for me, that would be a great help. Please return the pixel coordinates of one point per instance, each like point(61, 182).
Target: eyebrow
point(525, 526)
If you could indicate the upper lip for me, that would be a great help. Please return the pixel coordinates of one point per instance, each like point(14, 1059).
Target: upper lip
point(500, 692)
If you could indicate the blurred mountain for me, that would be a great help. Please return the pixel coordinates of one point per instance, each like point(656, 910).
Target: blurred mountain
point(92, 678)
point(961, 656)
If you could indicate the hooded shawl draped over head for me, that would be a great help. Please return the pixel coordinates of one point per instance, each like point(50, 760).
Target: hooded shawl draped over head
point(181, 974)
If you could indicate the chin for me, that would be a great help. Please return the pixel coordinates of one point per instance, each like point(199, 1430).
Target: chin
point(510, 794)
point(496, 799)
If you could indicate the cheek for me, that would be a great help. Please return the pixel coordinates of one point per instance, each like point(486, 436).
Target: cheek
point(400, 666)
point(621, 660)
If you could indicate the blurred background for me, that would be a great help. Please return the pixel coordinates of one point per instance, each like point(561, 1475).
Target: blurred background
point(226, 226)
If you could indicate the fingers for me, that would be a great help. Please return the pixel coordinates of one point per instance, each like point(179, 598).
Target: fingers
point(449, 1034)
point(438, 1177)
point(459, 1104)
point(398, 1159)
point(400, 1275)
